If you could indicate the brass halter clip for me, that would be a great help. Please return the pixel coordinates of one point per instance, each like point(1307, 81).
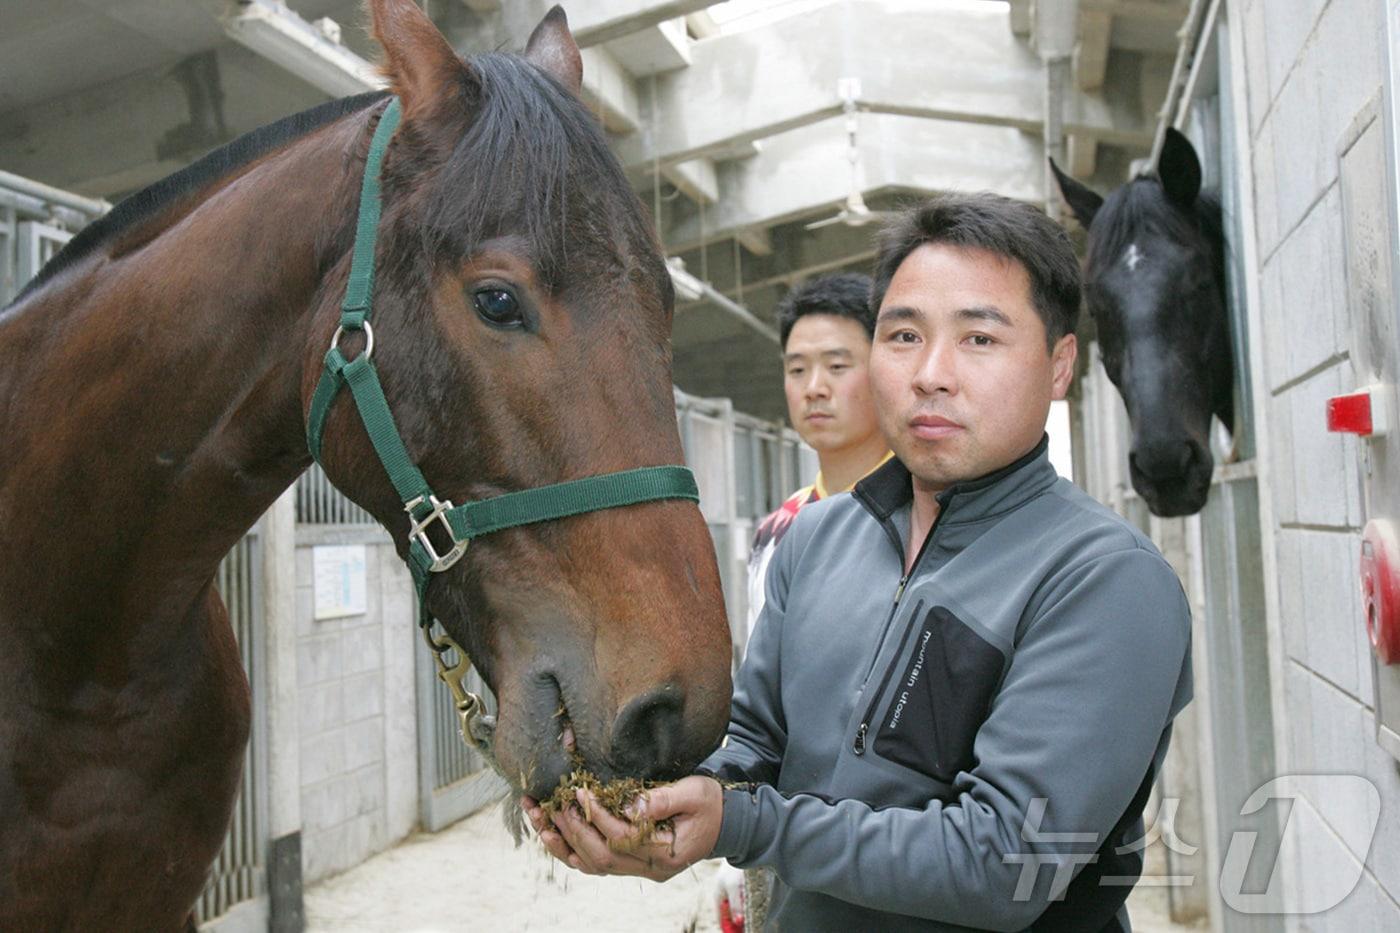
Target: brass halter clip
point(470, 708)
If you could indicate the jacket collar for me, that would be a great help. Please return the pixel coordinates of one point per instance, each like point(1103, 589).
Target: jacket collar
point(890, 488)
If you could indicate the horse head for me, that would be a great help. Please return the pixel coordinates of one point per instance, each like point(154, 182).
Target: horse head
point(1154, 283)
point(522, 315)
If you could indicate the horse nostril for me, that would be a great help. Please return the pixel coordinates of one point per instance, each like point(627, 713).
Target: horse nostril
point(648, 732)
point(1195, 454)
point(1165, 460)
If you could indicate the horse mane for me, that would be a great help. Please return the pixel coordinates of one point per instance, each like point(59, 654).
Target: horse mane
point(509, 173)
point(534, 162)
point(156, 197)
point(1140, 207)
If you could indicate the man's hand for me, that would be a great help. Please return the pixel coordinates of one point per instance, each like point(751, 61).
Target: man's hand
point(595, 842)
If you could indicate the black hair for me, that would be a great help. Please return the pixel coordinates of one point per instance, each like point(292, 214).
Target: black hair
point(840, 294)
point(1008, 228)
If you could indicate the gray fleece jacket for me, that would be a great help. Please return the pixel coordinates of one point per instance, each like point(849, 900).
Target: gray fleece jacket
point(948, 750)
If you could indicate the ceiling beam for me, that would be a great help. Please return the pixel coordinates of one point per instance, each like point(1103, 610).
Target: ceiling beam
point(595, 21)
point(1021, 19)
point(85, 142)
point(759, 82)
point(1082, 156)
point(1091, 54)
point(797, 254)
point(653, 50)
point(609, 91)
point(311, 51)
point(695, 179)
point(1153, 11)
point(804, 172)
point(756, 240)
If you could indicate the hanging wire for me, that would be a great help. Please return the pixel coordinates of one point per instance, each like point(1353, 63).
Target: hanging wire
point(738, 271)
point(655, 168)
point(704, 264)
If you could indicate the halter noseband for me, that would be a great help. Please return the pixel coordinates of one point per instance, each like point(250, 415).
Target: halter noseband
point(461, 523)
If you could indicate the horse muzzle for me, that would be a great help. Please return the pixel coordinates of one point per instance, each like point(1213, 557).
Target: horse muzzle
point(1172, 475)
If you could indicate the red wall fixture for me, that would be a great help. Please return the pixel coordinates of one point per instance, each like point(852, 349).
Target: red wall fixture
point(1380, 588)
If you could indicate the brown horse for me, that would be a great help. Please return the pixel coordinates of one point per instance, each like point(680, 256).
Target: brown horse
point(155, 381)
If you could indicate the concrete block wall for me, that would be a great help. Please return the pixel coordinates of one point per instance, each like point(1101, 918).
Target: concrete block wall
point(1310, 67)
point(357, 714)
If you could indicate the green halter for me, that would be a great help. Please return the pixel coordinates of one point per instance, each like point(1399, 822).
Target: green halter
point(464, 522)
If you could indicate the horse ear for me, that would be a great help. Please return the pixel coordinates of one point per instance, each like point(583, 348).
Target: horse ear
point(421, 67)
point(553, 50)
point(1082, 200)
point(1179, 169)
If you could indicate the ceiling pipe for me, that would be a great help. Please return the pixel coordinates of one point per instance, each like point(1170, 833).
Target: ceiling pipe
point(311, 51)
point(690, 288)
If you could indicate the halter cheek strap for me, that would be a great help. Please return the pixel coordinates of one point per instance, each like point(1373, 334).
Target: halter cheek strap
point(425, 509)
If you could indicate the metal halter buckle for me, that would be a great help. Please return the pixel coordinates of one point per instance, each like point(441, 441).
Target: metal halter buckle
point(369, 339)
point(419, 531)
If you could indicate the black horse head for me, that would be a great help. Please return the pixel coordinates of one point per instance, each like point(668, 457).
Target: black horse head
point(1155, 286)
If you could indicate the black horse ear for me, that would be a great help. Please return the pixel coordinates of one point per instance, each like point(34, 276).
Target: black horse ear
point(1179, 169)
point(1082, 200)
point(552, 48)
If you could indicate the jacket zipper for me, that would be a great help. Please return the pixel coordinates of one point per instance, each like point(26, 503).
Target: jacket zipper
point(858, 745)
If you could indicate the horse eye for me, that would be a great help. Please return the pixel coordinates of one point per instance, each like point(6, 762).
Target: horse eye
point(498, 307)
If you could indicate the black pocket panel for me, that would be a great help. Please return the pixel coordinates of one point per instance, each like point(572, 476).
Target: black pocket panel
point(938, 705)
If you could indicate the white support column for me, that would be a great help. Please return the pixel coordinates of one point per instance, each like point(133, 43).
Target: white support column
point(283, 858)
point(277, 529)
point(1056, 25)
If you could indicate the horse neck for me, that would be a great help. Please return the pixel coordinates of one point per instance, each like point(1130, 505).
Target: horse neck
point(153, 396)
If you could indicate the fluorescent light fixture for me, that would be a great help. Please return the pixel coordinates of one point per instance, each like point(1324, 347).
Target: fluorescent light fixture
point(278, 34)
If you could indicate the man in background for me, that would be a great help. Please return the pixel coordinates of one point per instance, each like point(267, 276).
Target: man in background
point(826, 325)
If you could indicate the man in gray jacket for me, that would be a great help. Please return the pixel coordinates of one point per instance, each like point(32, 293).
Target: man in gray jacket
point(962, 685)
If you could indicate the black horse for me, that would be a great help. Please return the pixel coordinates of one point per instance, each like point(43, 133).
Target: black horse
point(1155, 285)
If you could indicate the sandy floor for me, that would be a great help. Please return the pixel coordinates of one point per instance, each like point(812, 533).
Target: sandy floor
point(472, 877)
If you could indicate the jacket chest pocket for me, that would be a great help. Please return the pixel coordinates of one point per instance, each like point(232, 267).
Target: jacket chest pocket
point(932, 713)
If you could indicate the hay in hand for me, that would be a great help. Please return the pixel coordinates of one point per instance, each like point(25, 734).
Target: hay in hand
point(614, 796)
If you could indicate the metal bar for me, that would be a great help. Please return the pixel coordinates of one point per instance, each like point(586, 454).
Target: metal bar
point(93, 207)
point(1190, 35)
point(745, 316)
